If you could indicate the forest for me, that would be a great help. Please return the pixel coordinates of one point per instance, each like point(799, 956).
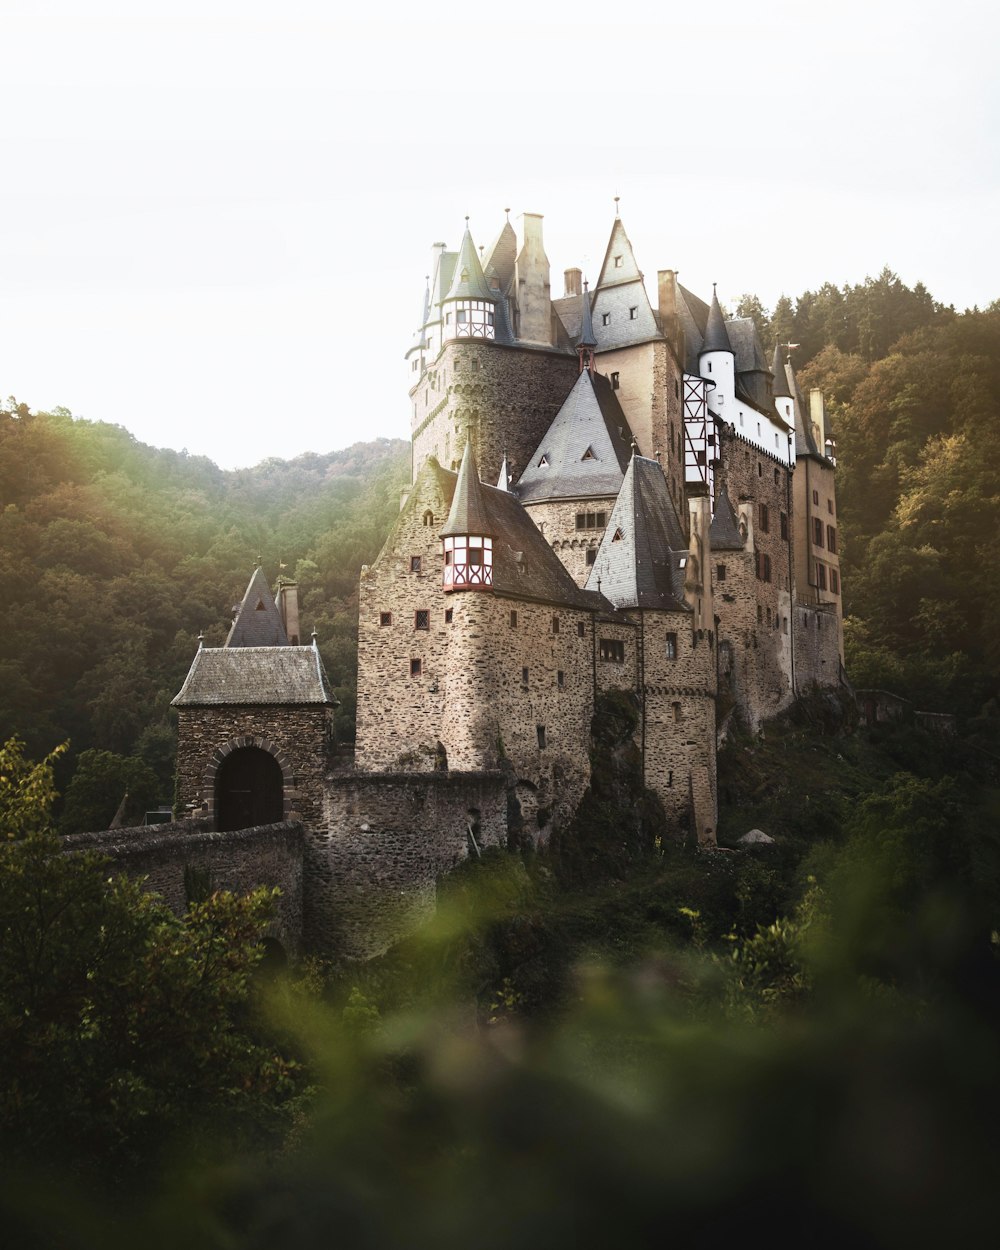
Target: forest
point(612, 1042)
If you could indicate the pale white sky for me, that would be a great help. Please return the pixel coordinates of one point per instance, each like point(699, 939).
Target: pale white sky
point(216, 217)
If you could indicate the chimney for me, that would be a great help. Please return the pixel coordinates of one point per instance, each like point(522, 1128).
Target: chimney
point(666, 290)
point(534, 305)
point(572, 279)
point(817, 418)
point(288, 606)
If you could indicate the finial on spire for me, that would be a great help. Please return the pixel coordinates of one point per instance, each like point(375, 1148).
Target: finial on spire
point(201, 640)
point(617, 212)
point(314, 635)
point(507, 211)
point(466, 218)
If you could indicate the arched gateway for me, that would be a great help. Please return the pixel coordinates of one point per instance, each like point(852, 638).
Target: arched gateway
point(249, 790)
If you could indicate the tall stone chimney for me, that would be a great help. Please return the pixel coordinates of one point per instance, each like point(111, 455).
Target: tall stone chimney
point(817, 418)
point(288, 606)
point(572, 281)
point(666, 290)
point(534, 303)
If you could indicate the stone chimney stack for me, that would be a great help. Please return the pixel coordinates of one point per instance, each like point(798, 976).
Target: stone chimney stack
point(288, 606)
point(534, 303)
point(666, 289)
point(572, 279)
point(817, 418)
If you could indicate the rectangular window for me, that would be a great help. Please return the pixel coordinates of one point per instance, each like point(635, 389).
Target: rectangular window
point(777, 479)
point(591, 554)
point(555, 624)
point(385, 618)
point(815, 496)
point(821, 575)
point(605, 319)
point(720, 572)
point(829, 506)
point(834, 582)
point(524, 676)
point(415, 668)
point(817, 531)
point(422, 618)
point(540, 730)
point(671, 646)
point(615, 381)
point(513, 619)
point(831, 539)
point(633, 313)
point(764, 518)
point(767, 567)
point(784, 525)
point(581, 629)
point(414, 564)
point(613, 650)
point(618, 262)
point(448, 615)
point(677, 710)
point(560, 679)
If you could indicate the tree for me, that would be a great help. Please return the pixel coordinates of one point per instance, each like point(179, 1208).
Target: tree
point(101, 781)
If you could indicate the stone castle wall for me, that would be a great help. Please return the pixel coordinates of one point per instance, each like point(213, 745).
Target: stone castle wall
point(240, 861)
point(508, 396)
point(557, 521)
point(817, 647)
point(373, 862)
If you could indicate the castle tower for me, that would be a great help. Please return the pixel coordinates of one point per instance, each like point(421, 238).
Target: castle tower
point(534, 301)
point(717, 361)
point(469, 308)
point(467, 537)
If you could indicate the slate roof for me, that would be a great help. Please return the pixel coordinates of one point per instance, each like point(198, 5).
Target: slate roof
point(258, 622)
point(746, 344)
point(586, 337)
point(781, 388)
point(693, 315)
point(590, 420)
point(468, 513)
point(474, 284)
point(230, 676)
point(644, 566)
point(724, 534)
point(524, 565)
point(805, 441)
point(502, 255)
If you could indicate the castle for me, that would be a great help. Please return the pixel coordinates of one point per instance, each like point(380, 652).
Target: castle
point(606, 495)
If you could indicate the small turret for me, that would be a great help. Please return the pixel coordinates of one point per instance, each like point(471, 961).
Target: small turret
point(716, 360)
point(469, 308)
point(784, 402)
point(467, 538)
point(587, 341)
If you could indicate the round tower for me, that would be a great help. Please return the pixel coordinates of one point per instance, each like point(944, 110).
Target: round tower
point(717, 361)
point(468, 311)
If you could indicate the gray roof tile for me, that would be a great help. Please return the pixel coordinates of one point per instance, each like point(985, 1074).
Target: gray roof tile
point(258, 622)
point(724, 534)
point(590, 421)
point(232, 676)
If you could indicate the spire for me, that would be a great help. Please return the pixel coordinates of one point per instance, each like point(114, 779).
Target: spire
point(781, 387)
point(469, 281)
point(716, 337)
point(503, 482)
point(258, 622)
point(587, 341)
point(468, 508)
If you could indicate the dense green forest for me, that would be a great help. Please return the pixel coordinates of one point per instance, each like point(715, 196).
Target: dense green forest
point(116, 555)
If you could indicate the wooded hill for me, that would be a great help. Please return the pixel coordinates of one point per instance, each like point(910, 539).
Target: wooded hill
point(115, 555)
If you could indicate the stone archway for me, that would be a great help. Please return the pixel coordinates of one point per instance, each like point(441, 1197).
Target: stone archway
point(249, 789)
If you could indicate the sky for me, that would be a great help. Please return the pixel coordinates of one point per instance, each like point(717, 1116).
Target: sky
point(216, 218)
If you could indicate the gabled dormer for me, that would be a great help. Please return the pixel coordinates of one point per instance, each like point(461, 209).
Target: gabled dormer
point(469, 308)
point(467, 538)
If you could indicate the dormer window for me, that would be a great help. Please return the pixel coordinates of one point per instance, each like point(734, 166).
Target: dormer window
point(588, 454)
point(617, 536)
point(543, 462)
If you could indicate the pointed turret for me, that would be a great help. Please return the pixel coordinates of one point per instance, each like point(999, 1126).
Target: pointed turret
point(586, 342)
point(620, 307)
point(257, 622)
point(717, 361)
point(469, 308)
point(781, 387)
point(467, 540)
point(716, 337)
point(503, 481)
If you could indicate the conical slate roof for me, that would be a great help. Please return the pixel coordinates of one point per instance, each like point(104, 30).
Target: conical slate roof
point(502, 255)
point(469, 281)
point(258, 621)
point(640, 563)
point(781, 388)
point(724, 534)
point(503, 481)
point(468, 512)
point(586, 338)
point(586, 449)
point(716, 337)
